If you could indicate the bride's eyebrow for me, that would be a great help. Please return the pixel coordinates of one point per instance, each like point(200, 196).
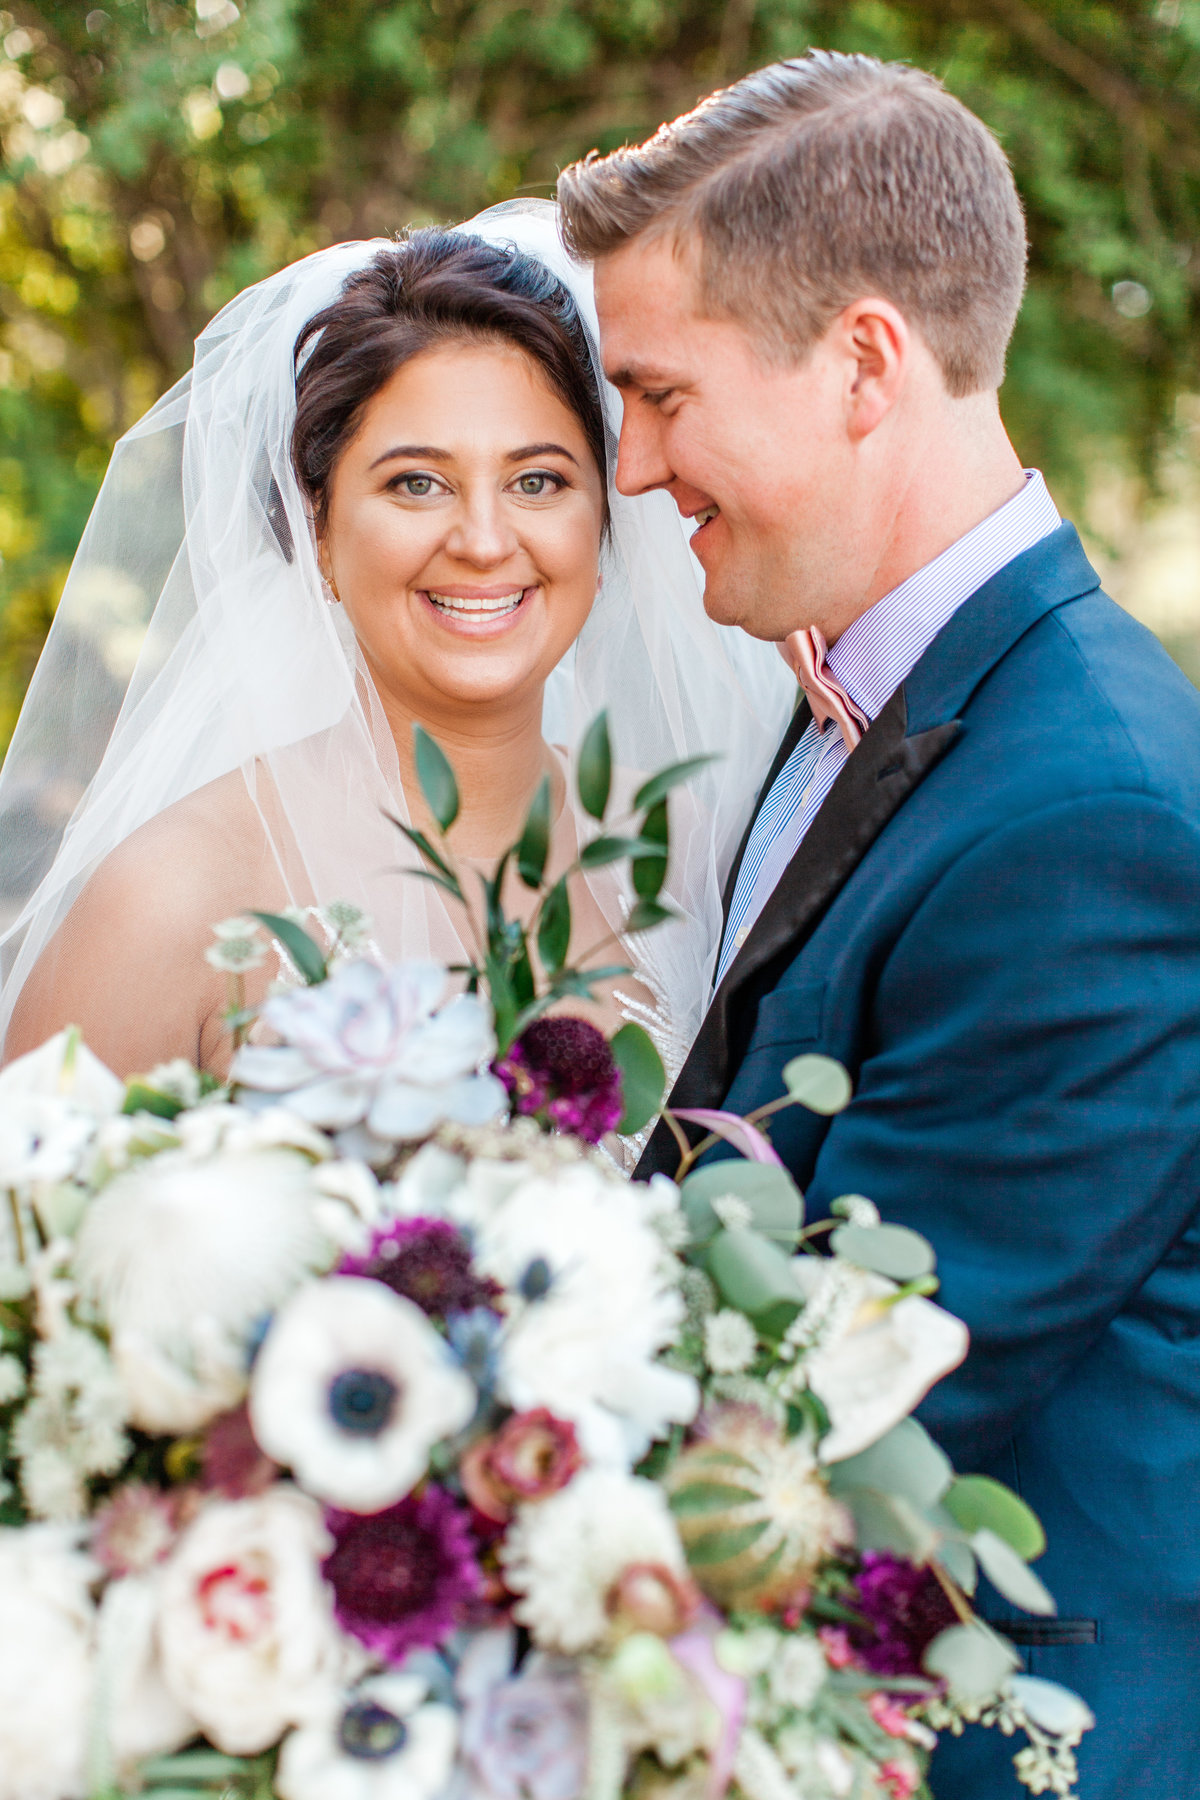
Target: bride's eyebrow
point(424, 452)
point(528, 450)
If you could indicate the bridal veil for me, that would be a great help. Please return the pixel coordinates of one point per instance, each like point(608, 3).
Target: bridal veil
point(194, 639)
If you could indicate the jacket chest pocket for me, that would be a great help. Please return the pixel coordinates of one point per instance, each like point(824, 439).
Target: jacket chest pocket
point(790, 1015)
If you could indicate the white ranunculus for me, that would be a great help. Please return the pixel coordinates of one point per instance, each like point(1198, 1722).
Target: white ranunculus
point(246, 1629)
point(564, 1555)
point(602, 1306)
point(383, 1741)
point(377, 1046)
point(183, 1258)
point(47, 1663)
point(351, 1390)
point(877, 1362)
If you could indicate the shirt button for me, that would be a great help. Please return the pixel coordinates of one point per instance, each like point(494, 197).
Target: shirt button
point(740, 935)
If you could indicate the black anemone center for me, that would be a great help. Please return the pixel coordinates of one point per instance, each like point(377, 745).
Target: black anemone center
point(362, 1401)
point(537, 1279)
point(369, 1732)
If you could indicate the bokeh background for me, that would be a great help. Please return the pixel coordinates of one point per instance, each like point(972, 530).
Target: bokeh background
point(158, 155)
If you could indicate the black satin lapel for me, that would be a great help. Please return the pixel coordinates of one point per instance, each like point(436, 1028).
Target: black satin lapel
point(873, 784)
point(801, 719)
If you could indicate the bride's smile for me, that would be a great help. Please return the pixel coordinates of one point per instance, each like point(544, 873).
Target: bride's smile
point(463, 530)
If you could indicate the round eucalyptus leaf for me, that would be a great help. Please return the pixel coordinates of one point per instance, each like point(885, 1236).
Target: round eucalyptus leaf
point(891, 1250)
point(971, 1659)
point(818, 1082)
point(977, 1503)
point(1010, 1576)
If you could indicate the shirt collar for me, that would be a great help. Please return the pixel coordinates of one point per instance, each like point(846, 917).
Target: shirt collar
point(884, 644)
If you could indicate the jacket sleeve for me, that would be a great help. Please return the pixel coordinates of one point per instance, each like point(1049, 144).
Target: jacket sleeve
point(1030, 1099)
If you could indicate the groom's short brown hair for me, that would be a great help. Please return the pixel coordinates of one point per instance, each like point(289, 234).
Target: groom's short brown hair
point(816, 182)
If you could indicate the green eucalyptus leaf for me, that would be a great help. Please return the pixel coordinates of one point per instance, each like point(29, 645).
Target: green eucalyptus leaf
point(1011, 1576)
point(554, 928)
point(643, 1077)
point(884, 1521)
point(649, 872)
point(958, 1560)
point(752, 1273)
point(818, 1082)
point(307, 955)
point(593, 776)
point(776, 1203)
point(436, 778)
point(660, 785)
point(646, 914)
point(905, 1461)
point(534, 845)
point(891, 1250)
point(977, 1503)
point(972, 1660)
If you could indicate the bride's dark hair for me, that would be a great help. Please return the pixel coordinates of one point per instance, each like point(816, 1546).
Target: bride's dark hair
point(432, 288)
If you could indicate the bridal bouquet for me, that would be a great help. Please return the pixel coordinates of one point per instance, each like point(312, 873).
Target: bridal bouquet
point(367, 1435)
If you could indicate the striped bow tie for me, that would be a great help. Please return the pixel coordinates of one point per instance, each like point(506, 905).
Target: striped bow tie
point(804, 653)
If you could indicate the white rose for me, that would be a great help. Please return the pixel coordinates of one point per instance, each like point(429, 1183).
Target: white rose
point(246, 1628)
point(46, 1663)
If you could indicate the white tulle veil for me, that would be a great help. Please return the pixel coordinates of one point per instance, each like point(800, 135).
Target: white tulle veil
point(193, 640)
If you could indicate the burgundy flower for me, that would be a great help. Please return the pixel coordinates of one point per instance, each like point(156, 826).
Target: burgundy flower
point(533, 1454)
point(904, 1608)
point(562, 1071)
point(428, 1262)
point(231, 1460)
point(402, 1578)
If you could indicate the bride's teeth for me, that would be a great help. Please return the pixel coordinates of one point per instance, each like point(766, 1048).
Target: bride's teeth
point(707, 513)
point(493, 608)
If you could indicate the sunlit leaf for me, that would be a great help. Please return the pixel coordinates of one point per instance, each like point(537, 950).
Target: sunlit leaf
point(593, 776)
point(305, 953)
point(660, 785)
point(977, 1503)
point(436, 778)
point(534, 844)
point(643, 1077)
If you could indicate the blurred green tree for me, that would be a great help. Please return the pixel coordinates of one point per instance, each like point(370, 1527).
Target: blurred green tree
point(161, 154)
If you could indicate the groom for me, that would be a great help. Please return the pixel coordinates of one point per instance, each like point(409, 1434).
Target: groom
point(973, 874)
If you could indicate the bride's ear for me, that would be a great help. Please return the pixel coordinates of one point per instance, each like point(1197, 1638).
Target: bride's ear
point(325, 569)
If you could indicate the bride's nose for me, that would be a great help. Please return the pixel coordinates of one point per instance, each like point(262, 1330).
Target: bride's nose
point(482, 534)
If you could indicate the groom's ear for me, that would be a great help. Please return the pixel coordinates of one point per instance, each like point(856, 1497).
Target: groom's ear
point(874, 343)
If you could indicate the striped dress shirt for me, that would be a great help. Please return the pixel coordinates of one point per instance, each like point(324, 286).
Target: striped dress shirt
point(870, 659)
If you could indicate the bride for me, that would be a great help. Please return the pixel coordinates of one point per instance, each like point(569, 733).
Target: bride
point(380, 498)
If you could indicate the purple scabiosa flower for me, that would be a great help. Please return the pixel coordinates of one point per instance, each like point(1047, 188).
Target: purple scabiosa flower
point(562, 1071)
point(402, 1578)
point(904, 1608)
point(427, 1261)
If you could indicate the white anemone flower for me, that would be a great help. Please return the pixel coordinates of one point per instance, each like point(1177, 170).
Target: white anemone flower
point(352, 1389)
point(878, 1357)
point(385, 1740)
point(375, 1046)
point(593, 1302)
point(183, 1258)
point(565, 1555)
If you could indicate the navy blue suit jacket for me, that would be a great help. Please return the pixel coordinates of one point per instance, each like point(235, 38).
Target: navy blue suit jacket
point(994, 922)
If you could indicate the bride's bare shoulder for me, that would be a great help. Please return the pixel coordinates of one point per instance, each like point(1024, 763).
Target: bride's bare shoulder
point(127, 964)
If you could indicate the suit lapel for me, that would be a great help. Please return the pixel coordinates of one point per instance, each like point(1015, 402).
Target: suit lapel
point(873, 783)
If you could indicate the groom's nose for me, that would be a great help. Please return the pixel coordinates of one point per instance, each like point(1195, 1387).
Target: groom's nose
point(642, 464)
